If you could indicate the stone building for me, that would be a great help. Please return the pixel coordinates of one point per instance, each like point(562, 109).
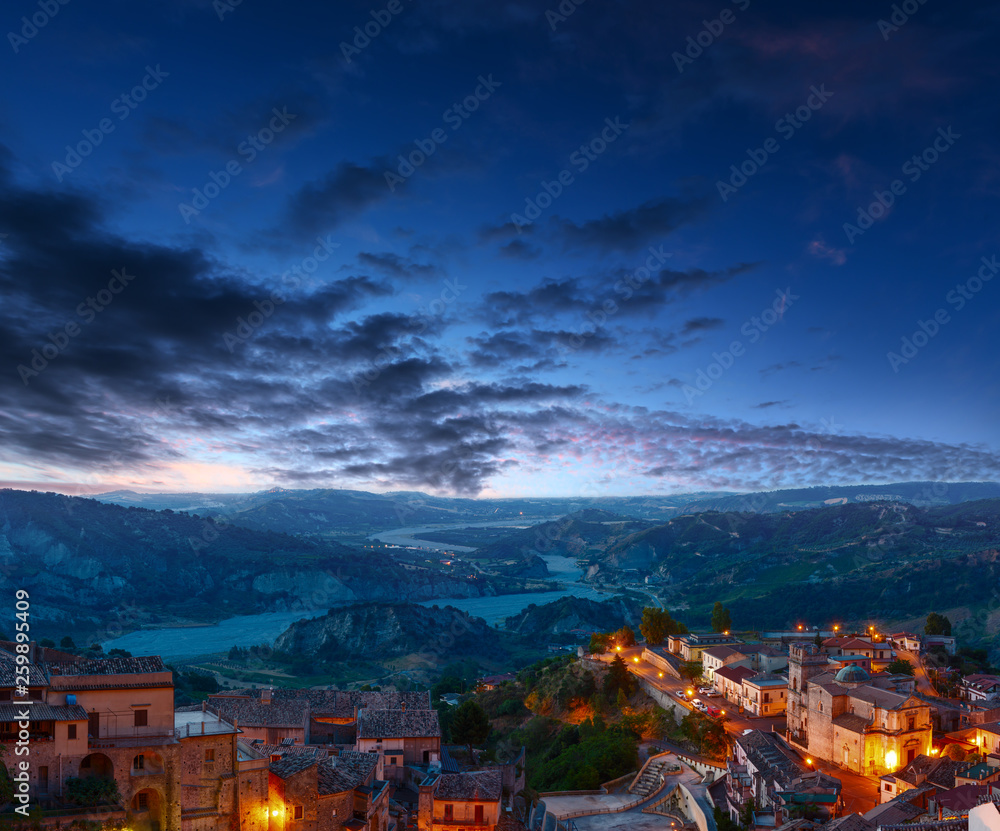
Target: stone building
point(399, 738)
point(764, 769)
point(113, 719)
point(312, 794)
point(460, 800)
point(852, 718)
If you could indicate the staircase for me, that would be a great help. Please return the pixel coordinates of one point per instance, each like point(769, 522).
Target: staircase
point(650, 778)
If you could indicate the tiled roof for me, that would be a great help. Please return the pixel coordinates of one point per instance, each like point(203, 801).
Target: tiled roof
point(720, 653)
point(962, 798)
point(8, 672)
point(397, 724)
point(852, 722)
point(252, 713)
point(292, 763)
point(880, 698)
point(40, 711)
point(345, 772)
point(334, 703)
point(270, 750)
point(481, 786)
point(108, 666)
point(735, 674)
point(773, 760)
point(991, 727)
point(849, 822)
point(943, 825)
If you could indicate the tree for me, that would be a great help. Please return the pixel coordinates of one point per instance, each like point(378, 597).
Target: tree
point(955, 752)
point(624, 636)
point(47, 642)
point(746, 815)
point(654, 625)
point(721, 619)
point(900, 667)
point(692, 669)
point(937, 625)
point(67, 643)
point(470, 726)
point(618, 678)
point(599, 643)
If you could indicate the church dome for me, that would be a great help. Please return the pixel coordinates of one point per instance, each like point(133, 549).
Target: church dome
point(853, 674)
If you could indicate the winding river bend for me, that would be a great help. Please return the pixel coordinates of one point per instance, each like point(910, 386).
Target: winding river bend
point(176, 643)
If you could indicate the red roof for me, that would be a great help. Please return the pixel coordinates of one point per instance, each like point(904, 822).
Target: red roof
point(735, 674)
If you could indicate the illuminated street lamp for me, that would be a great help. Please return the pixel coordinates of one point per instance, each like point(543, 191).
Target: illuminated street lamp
point(661, 675)
point(636, 659)
point(800, 627)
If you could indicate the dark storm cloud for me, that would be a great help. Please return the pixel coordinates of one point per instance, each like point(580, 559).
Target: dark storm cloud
point(630, 229)
point(393, 265)
point(702, 324)
point(633, 293)
point(344, 192)
point(623, 231)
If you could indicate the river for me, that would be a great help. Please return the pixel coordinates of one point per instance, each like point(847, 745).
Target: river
point(179, 643)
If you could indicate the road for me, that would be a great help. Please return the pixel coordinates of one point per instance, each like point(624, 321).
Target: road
point(919, 672)
point(736, 722)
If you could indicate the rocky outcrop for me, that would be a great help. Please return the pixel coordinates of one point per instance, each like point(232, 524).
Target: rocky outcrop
point(380, 631)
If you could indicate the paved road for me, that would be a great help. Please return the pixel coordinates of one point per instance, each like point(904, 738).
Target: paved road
point(736, 722)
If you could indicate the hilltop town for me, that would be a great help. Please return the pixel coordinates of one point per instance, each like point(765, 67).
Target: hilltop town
point(709, 731)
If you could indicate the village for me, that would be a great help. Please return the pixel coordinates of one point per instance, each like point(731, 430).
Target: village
point(825, 730)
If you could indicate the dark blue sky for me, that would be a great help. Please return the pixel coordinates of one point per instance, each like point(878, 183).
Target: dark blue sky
point(499, 248)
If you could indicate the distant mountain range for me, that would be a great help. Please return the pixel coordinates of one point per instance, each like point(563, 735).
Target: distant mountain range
point(332, 512)
point(883, 562)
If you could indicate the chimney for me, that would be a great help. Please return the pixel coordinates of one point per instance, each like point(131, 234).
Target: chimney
point(32, 648)
point(204, 706)
point(265, 695)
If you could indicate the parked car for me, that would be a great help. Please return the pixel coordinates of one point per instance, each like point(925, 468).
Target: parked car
point(681, 695)
point(713, 693)
point(712, 711)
